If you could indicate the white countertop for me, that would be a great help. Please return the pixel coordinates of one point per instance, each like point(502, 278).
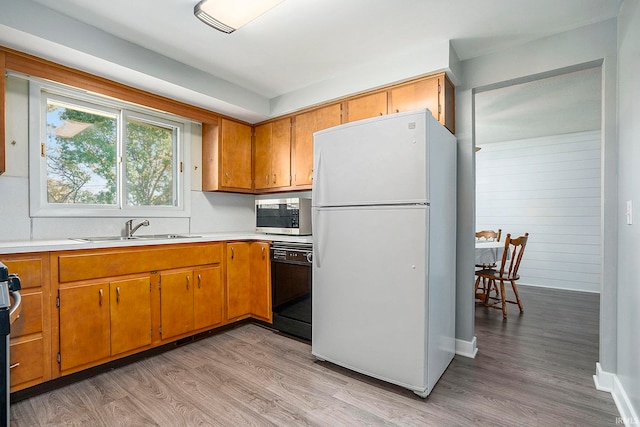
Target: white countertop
point(14, 247)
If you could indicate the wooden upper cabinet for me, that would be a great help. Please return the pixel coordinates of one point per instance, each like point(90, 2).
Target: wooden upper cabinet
point(435, 93)
point(226, 156)
point(366, 106)
point(302, 151)
point(272, 165)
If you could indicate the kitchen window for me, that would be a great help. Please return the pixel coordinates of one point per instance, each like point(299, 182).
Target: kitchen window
point(95, 156)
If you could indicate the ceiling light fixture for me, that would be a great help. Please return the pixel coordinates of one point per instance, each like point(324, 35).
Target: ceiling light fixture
point(229, 15)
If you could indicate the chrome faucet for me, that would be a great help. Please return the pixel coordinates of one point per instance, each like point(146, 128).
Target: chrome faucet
point(129, 229)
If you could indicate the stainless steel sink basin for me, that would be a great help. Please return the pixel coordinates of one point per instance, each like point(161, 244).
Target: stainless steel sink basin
point(104, 238)
point(140, 237)
point(164, 236)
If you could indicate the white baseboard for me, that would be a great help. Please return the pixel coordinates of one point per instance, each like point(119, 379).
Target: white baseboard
point(467, 348)
point(606, 381)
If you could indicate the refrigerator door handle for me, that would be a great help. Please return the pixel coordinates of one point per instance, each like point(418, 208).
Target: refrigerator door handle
point(317, 181)
point(318, 253)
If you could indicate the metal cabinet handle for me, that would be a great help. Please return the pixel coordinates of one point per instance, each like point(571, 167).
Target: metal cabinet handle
point(233, 253)
point(187, 282)
point(118, 294)
point(100, 293)
point(15, 365)
point(263, 252)
point(199, 281)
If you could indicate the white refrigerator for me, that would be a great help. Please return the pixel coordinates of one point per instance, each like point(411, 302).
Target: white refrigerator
point(384, 256)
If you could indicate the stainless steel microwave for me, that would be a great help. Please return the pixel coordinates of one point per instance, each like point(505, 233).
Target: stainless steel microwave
point(284, 216)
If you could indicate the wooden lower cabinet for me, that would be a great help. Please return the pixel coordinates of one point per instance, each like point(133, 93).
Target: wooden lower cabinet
point(176, 303)
point(261, 281)
point(248, 281)
point(103, 319)
point(208, 297)
point(87, 320)
point(30, 339)
point(130, 302)
point(85, 332)
point(238, 280)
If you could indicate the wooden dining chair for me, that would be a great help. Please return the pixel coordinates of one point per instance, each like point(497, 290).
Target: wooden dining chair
point(489, 235)
point(511, 258)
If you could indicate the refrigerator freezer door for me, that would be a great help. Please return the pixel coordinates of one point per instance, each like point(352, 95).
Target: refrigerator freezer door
point(375, 161)
point(370, 291)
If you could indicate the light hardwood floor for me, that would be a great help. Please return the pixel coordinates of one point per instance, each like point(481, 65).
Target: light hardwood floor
point(534, 369)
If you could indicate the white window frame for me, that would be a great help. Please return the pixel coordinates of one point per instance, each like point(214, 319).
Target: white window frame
point(40, 207)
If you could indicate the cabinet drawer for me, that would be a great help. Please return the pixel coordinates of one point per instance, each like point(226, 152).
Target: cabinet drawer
point(26, 357)
point(29, 270)
point(30, 320)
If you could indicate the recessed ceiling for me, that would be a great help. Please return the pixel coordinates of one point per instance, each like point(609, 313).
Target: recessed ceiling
point(303, 42)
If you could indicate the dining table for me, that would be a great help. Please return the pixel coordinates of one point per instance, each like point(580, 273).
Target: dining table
point(488, 253)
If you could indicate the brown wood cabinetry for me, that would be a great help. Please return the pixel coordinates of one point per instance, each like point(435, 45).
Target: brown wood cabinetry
point(434, 93)
point(366, 106)
point(248, 281)
point(114, 302)
point(261, 281)
point(176, 303)
point(130, 308)
point(305, 125)
point(30, 339)
point(238, 280)
point(272, 166)
point(85, 333)
point(226, 157)
point(208, 297)
point(103, 319)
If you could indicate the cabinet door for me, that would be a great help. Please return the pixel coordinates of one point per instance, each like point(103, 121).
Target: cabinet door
point(84, 325)
point(235, 155)
point(367, 106)
point(261, 281)
point(130, 302)
point(281, 153)
point(420, 94)
point(262, 164)
point(208, 297)
point(238, 280)
point(176, 303)
point(305, 125)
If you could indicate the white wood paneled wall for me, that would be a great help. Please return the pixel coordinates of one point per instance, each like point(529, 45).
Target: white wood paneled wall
point(549, 187)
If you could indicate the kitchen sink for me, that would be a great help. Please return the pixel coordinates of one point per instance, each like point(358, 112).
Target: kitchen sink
point(164, 236)
point(140, 237)
point(104, 238)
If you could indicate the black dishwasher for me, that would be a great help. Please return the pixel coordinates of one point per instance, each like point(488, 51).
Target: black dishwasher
point(291, 288)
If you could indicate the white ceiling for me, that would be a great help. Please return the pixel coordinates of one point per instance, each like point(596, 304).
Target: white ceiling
point(300, 43)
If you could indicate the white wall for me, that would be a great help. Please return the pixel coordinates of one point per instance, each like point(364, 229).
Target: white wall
point(628, 315)
point(591, 44)
point(550, 188)
point(210, 212)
